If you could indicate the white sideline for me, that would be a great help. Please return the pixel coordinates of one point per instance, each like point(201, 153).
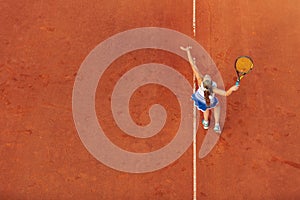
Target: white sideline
point(194, 118)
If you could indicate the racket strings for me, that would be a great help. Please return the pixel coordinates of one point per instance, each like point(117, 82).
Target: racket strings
point(243, 65)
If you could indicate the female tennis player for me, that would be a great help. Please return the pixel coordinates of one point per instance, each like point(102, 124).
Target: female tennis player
point(204, 98)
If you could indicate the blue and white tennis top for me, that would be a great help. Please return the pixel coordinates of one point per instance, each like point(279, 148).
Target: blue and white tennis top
point(199, 98)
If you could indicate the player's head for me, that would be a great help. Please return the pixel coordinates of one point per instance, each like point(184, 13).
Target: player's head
point(207, 82)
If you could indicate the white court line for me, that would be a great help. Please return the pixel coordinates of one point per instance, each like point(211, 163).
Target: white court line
point(194, 117)
point(194, 18)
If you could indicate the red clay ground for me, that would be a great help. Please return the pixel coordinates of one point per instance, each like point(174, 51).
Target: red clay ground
point(44, 43)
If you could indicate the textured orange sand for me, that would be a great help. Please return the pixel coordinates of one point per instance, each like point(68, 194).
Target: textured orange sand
point(43, 43)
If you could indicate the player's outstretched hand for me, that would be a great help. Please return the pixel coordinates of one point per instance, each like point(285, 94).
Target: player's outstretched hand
point(186, 48)
point(235, 87)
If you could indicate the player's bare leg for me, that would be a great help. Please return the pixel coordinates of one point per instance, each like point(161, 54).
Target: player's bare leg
point(217, 111)
point(206, 115)
point(205, 121)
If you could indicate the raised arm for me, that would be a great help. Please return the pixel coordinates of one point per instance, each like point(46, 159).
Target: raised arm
point(195, 69)
point(225, 93)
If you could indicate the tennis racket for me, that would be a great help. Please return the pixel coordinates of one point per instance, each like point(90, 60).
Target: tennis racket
point(243, 65)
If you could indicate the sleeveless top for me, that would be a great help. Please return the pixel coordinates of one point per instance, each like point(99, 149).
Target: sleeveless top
point(199, 94)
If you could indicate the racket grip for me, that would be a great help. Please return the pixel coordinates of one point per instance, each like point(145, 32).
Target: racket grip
point(237, 83)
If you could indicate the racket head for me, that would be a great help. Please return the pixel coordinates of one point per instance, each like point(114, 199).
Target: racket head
point(243, 65)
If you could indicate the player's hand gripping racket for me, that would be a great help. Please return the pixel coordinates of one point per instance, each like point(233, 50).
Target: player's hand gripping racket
point(243, 65)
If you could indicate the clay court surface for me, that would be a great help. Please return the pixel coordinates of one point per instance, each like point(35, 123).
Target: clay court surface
point(43, 44)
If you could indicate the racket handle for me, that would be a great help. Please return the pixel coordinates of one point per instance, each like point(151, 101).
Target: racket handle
point(237, 83)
